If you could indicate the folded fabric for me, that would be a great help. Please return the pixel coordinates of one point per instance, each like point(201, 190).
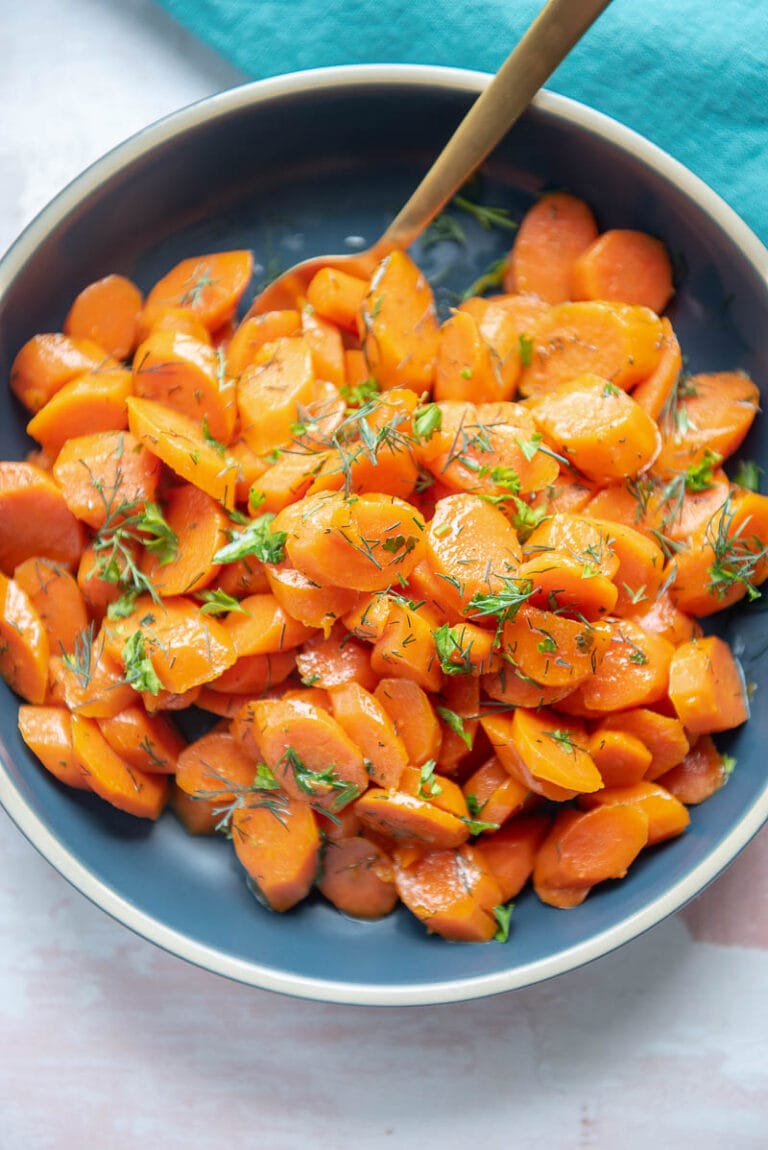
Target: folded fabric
point(691, 76)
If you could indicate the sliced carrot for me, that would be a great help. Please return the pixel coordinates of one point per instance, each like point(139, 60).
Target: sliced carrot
point(289, 479)
point(663, 735)
point(471, 548)
point(667, 817)
point(254, 332)
point(262, 627)
point(149, 742)
point(558, 582)
point(400, 816)
point(634, 672)
point(254, 674)
point(105, 475)
point(398, 327)
point(158, 702)
point(48, 361)
point(493, 794)
point(357, 877)
point(162, 317)
point(201, 526)
point(678, 513)
point(197, 816)
point(98, 593)
point(34, 519)
point(515, 689)
point(458, 707)
point(56, 597)
point(510, 853)
point(662, 617)
point(335, 659)
point(699, 775)
point(466, 367)
point(544, 751)
point(215, 766)
point(112, 778)
point(552, 649)
point(580, 537)
point(186, 375)
point(709, 412)
point(451, 891)
point(620, 757)
point(654, 392)
point(706, 686)
point(272, 389)
point(47, 731)
point(280, 851)
point(600, 429)
point(641, 566)
point(106, 312)
point(552, 235)
point(91, 683)
point(243, 577)
point(24, 647)
point(624, 265)
point(93, 401)
point(584, 848)
point(337, 296)
point(210, 285)
point(369, 726)
point(179, 442)
point(621, 343)
point(306, 601)
point(370, 615)
point(411, 711)
point(325, 345)
point(406, 649)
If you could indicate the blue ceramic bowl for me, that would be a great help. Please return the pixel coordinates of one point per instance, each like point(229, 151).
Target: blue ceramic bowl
point(302, 165)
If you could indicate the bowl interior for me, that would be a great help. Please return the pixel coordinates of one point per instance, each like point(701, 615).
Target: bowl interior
point(293, 170)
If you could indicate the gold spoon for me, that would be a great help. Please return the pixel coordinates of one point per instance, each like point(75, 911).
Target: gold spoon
point(557, 28)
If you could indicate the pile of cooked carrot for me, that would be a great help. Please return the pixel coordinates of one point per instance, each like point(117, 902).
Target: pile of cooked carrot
point(438, 584)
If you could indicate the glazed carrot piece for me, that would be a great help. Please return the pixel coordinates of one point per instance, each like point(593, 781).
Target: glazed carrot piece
point(369, 617)
point(101, 474)
point(467, 649)
point(97, 592)
point(186, 375)
point(510, 853)
point(158, 702)
point(34, 519)
point(679, 513)
point(667, 817)
point(544, 751)
point(254, 674)
point(172, 639)
point(406, 649)
point(706, 686)
point(515, 689)
point(246, 576)
point(662, 617)
point(411, 711)
point(106, 312)
point(699, 775)
point(148, 742)
point(325, 345)
point(197, 816)
point(552, 649)
point(112, 778)
point(597, 427)
point(471, 548)
point(48, 361)
point(24, 647)
point(254, 332)
point(562, 583)
point(627, 266)
point(466, 366)
point(580, 537)
point(308, 751)
point(654, 392)
point(634, 672)
point(641, 566)
point(93, 401)
point(552, 235)
point(306, 601)
point(280, 851)
point(370, 728)
point(335, 659)
point(261, 627)
point(289, 479)
point(620, 757)
point(709, 412)
point(621, 343)
point(398, 327)
point(458, 708)
point(161, 317)
point(215, 767)
point(250, 468)
point(400, 816)
point(91, 682)
point(337, 296)
point(451, 891)
point(47, 731)
point(272, 389)
point(56, 597)
point(179, 442)
point(493, 795)
point(211, 286)
point(343, 825)
point(584, 848)
point(663, 735)
point(505, 323)
point(357, 877)
point(201, 526)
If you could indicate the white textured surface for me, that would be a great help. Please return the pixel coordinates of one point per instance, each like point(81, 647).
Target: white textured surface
point(106, 1041)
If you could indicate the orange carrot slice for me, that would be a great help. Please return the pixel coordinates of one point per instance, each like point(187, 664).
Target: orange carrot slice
point(451, 891)
point(106, 312)
point(667, 817)
point(552, 235)
point(112, 778)
point(398, 327)
point(706, 686)
point(34, 519)
point(279, 848)
point(47, 731)
point(624, 265)
point(211, 286)
point(93, 401)
point(24, 648)
point(188, 376)
point(101, 474)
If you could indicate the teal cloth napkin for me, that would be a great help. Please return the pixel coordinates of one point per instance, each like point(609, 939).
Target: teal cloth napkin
point(691, 75)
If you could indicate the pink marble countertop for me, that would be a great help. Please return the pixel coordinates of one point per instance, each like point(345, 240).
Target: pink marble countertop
point(107, 1041)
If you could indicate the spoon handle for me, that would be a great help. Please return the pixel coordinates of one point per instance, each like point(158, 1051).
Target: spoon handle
point(559, 25)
